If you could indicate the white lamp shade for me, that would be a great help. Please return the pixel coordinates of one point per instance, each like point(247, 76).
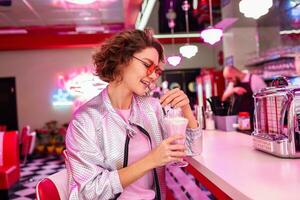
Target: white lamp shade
point(188, 50)
point(211, 35)
point(174, 60)
point(255, 8)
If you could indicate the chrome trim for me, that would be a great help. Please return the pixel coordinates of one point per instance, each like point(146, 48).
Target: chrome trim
point(282, 143)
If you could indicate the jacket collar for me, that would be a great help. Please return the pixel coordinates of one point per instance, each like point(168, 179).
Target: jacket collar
point(134, 118)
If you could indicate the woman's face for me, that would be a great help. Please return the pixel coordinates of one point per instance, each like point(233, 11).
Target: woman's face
point(142, 70)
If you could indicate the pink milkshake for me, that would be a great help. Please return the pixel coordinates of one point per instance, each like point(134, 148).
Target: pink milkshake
point(176, 125)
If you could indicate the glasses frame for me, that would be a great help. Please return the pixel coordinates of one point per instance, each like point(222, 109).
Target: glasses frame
point(150, 67)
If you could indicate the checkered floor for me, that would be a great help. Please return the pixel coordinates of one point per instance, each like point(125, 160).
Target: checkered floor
point(39, 167)
point(32, 172)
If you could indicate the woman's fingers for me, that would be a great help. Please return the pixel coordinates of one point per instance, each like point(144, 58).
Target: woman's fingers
point(177, 147)
point(169, 96)
point(169, 150)
point(180, 101)
point(168, 93)
point(173, 138)
point(177, 154)
point(174, 156)
point(175, 98)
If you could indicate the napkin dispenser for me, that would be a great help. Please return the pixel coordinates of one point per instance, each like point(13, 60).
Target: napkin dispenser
point(277, 119)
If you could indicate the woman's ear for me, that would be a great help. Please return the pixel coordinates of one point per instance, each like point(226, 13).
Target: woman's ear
point(118, 76)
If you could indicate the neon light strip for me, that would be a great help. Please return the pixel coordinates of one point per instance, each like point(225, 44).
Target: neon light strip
point(81, 2)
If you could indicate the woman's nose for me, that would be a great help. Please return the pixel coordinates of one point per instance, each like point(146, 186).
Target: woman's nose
point(153, 76)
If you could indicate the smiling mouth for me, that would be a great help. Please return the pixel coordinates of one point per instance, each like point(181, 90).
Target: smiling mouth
point(150, 86)
point(146, 83)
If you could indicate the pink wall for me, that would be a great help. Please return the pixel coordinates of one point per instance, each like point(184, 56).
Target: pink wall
point(36, 75)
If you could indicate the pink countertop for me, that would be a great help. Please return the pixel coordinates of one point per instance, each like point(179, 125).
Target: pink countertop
point(231, 163)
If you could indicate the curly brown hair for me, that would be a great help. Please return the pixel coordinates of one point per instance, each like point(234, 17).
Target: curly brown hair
point(118, 50)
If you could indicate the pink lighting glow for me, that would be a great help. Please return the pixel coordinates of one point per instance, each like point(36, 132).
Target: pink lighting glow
point(84, 86)
point(77, 88)
point(174, 60)
point(212, 35)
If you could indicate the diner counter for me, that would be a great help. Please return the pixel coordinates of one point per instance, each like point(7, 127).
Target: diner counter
point(229, 161)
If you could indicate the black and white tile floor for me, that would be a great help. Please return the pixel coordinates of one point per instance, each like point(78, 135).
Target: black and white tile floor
point(31, 173)
point(39, 167)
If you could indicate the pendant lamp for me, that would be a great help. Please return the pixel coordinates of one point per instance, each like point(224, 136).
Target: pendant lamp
point(211, 35)
point(187, 50)
point(173, 60)
point(255, 8)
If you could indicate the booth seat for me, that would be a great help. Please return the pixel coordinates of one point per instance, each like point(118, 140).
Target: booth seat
point(25, 131)
point(3, 127)
point(9, 161)
point(28, 142)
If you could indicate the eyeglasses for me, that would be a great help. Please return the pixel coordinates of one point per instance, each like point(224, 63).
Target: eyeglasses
point(150, 67)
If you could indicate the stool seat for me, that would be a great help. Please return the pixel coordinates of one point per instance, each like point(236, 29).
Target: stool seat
point(53, 187)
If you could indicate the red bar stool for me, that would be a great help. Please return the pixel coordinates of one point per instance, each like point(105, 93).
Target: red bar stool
point(10, 163)
point(55, 186)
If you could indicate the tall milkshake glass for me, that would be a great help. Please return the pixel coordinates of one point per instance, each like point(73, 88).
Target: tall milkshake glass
point(175, 124)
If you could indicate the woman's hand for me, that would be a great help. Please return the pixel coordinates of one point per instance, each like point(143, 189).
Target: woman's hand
point(177, 98)
point(167, 151)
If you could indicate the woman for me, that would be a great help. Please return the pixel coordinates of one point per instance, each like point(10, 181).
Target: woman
point(115, 142)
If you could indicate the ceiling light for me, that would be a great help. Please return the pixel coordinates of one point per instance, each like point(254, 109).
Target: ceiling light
point(81, 2)
point(188, 50)
point(177, 35)
point(211, 35)
point(255, 8)
point(89, 29)
point(174, 60)
point(294, 31)
point(13, 31)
